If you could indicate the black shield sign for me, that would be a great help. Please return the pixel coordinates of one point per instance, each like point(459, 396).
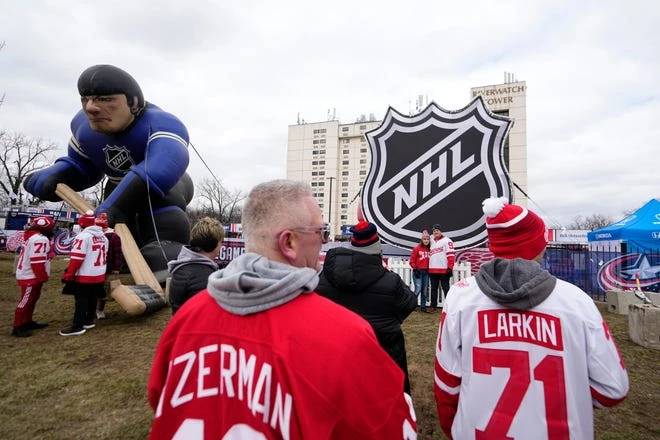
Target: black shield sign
point(118, 158)
point(435, 167)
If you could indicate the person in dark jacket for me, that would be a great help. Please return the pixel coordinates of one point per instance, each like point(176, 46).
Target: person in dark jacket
point(356, 278)
point(190, 271)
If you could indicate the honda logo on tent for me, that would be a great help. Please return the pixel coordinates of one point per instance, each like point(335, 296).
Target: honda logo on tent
point(435, 167)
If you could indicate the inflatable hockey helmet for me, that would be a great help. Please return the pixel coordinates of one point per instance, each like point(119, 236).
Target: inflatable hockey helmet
point(104, 79)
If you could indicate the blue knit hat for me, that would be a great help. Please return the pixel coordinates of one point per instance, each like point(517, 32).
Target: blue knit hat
point(365, 238)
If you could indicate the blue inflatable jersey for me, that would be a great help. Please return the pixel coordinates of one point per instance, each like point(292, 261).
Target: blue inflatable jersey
point(158, 133)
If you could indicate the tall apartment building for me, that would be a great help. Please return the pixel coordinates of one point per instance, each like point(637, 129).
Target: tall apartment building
point(335, 158)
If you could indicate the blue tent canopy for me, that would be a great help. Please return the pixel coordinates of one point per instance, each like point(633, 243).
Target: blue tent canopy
point(640, 229)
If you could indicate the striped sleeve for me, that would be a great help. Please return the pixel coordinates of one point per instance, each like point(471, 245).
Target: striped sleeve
point(608, 377)
point(447, 375)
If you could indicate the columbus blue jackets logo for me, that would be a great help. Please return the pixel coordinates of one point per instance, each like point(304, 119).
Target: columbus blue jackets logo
point(435, 167)
point(118, 158)
point(622, 273)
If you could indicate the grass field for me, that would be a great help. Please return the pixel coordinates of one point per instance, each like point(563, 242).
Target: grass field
point(94, 386)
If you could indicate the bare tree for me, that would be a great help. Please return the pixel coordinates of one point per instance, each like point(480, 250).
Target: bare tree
point(590, 222)
point(219, 201)
point(94, 194)
point(19, 156)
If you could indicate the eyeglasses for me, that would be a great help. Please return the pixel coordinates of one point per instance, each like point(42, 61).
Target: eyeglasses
point(323, 230)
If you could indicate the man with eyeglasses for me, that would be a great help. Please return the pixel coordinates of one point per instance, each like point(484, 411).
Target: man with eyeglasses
point(258, 354)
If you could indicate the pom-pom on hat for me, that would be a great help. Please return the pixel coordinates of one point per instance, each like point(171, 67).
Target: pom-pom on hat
point(513, 231)
point(87, 219)
point(44, 223)
point(102, 220)
point(425, 235)
point(365, 238)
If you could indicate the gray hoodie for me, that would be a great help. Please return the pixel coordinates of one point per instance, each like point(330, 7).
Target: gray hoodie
point(518, 284)
point(252, 283)
point(187, 256)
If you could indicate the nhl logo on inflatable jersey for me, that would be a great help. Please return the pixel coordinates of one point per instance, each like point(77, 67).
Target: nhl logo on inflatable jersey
point(435, 167)
point(118, 158)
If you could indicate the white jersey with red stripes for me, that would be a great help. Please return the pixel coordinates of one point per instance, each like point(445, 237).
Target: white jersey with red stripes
point(524, 374)
point(90, 246)
point(34, 251)
point(441, 254)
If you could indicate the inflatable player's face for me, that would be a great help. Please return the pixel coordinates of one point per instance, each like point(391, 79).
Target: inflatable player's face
point(107, 113)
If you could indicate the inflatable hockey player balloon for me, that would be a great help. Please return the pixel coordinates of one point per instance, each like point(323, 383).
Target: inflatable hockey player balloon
point(144, 153)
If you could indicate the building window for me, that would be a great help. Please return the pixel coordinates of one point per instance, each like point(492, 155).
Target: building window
point(363, 160)
point(344, 129)
point(346, 151)
point(315, 162)
point(344, 162)
point(363, 127)
point(314, 183)
point(363, 150)
point(321, 151)
point(315, 173)
point(322, 141)
point(344, 184)
point(362, 173)
point(321, 173)
point(319, 130)
point(315, 152)
point(344, 206)
point(344, 173)
point(321, 162)
point(343, 217)
point(321, 183)
point(316, 141)
point(347, 141)
point(320, 205)
point(344, 194)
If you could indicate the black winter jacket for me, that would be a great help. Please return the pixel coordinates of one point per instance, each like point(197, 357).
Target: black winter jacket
point(190, 273)
point(359, 282)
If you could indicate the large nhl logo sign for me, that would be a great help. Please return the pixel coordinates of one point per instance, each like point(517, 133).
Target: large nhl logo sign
point(435, 167)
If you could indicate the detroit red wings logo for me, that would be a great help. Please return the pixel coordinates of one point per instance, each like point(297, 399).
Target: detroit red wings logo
point(14, 241)
point(435, 167)
point(476, 257)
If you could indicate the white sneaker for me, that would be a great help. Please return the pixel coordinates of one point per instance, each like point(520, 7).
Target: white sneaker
point(100, 314)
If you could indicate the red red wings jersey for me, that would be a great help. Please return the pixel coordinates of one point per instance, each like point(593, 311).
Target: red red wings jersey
point(524, 374)
point(91, 247)
point(419, 257)
point(306, 369)
point(34, 251)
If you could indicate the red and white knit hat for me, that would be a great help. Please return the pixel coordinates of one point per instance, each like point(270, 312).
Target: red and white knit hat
point(86, 219)
point(102, 220)
point(513, 231)
point(44, 223)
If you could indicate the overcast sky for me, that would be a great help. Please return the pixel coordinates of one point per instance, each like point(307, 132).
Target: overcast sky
point(239, 73)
